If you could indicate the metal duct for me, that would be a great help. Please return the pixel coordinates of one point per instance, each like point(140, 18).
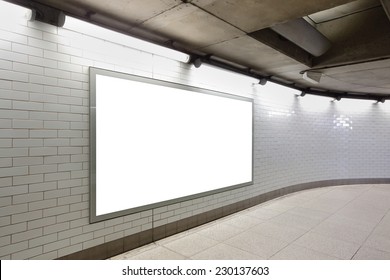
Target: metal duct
point(301, 33)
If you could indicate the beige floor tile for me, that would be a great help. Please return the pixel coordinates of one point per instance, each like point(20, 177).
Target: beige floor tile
point(261, 213)
point(158, 253)
point(278, 231)
point(357, 224)
point(291, 220)
point(201, 227)
point(295, 252)
point(325, 205)
point(293, 200)
point(173, 237)
point(310, 213)
point(385, 188)
point(243, 222)
point(257, 244)
point(380, 202)
point(327, 245)
point(190, 245)
point(361, 187)
point(134, 252)
point(341, 232)
point(225, 252)
point(368, 253)
point(383, 228)
point(297, 195)
point(360, 211)
point(385, 220)
point(381, 189)
point(278, 205)
point(220, 231)
point(313, 193)
point(342, 195)
point(379, 242)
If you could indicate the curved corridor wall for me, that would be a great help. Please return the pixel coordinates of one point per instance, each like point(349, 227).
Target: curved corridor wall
point(312, 138)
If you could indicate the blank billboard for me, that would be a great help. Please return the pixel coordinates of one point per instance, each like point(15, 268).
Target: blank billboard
point(155, 143)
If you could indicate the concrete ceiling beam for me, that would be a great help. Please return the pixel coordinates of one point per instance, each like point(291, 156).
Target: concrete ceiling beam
point(355, 39)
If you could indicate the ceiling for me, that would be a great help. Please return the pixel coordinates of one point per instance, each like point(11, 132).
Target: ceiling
point(343, 45)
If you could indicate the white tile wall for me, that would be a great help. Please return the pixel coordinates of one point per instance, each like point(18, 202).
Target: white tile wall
point(44, 140)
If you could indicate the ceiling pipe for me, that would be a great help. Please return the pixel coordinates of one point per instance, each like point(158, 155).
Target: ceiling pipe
point(198, 60)
point(326, 93)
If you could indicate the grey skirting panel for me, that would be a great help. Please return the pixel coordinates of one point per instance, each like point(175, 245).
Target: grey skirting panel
point(133, 241)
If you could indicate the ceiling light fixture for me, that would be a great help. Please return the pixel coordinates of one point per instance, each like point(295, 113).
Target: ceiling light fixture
point(9, 13)
point(123, 39)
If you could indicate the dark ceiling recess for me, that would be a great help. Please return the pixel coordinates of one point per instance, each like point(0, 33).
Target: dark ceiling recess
point(386, 7)
point(303, 34)
point(346, 41)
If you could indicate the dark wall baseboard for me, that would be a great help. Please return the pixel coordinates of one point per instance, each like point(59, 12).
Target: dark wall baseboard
point(133, 241)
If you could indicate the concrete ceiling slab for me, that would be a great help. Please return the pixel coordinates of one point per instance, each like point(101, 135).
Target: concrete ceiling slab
point(252, 15)
point(356, 38)
point(344, 10)
point(374, 77)
point(376, 90)
point(359, 80)
point(191, 26)
point(382, 64)
point(132, 12)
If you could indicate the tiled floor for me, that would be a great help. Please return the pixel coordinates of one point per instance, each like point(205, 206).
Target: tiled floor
point(342, 222)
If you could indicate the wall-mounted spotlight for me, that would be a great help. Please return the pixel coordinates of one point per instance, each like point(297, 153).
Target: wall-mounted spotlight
point(337, 98)
point(10, 13)
point(303, 93)
point(43, 13)
point(262, 81)
point(382, 100)
point(197, 62)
